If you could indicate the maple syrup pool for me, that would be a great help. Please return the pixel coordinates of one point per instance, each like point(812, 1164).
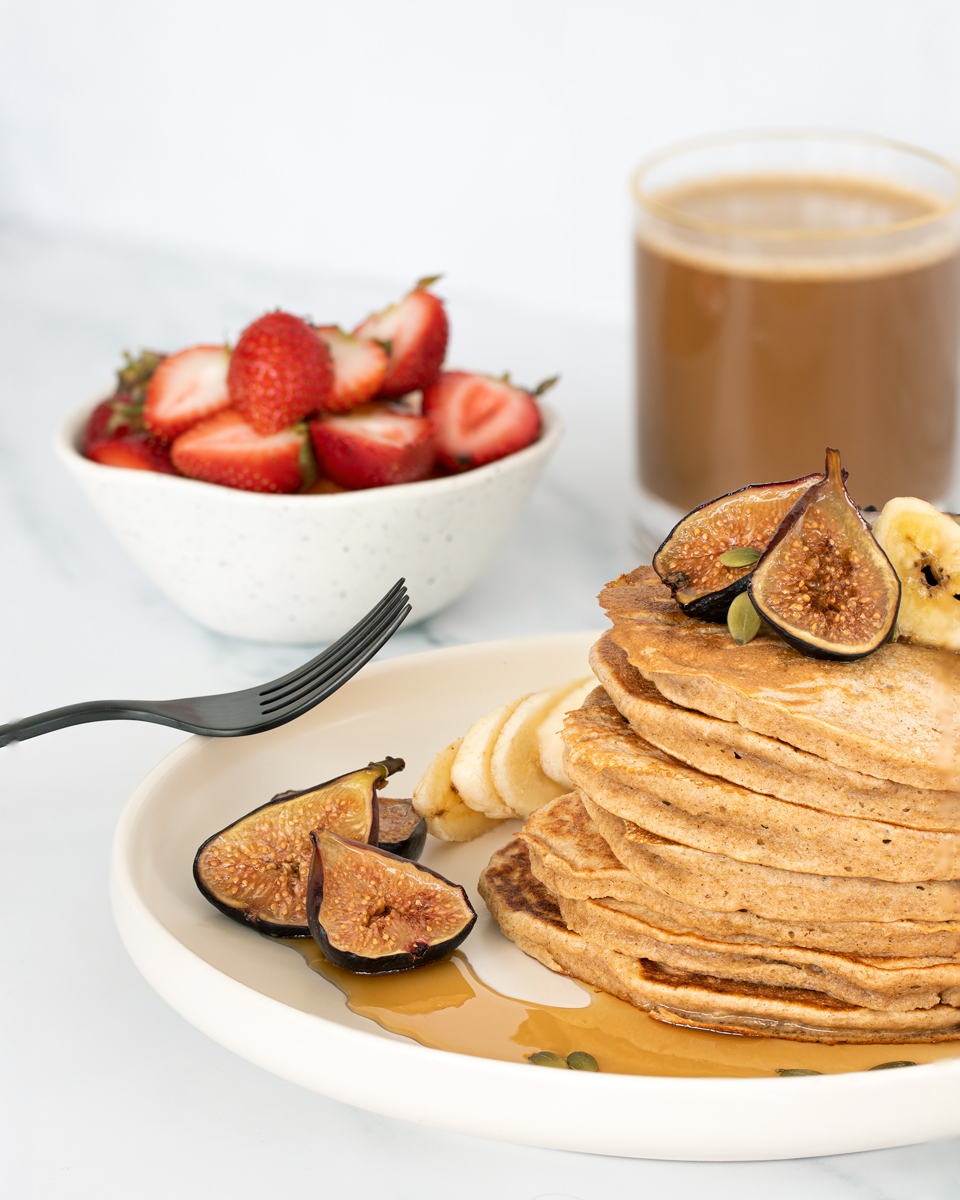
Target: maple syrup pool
point(447, 1007)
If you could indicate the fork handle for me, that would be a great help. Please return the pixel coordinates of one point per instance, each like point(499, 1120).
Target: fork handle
point(81, 714)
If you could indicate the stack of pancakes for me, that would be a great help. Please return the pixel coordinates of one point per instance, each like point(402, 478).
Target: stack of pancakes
point(759, 842)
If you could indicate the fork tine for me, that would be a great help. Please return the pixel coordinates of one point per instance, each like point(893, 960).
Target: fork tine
point(374, 634)
point(313, 676)
point(333, 650)
point(308, 699)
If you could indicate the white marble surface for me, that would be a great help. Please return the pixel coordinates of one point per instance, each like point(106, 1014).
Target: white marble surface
point(104, 1091)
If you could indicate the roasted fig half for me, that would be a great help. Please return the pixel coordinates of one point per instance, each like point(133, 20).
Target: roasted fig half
point(736, 528)
point(371, 911)
point(402, 830)
point(823, 583)
point(256, 870)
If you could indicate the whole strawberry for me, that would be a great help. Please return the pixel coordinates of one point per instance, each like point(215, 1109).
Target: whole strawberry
point(280, 372)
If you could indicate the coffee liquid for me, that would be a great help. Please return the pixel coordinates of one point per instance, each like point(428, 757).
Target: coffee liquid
point(446, 1006)
point(753, 360)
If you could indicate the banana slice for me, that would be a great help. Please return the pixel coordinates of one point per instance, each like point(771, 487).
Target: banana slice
point(434, 797)
point(470, 772)
point(515, 762)
point(924, 546)
point(550, 733)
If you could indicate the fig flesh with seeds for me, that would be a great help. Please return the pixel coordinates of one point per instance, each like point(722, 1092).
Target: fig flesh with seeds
point(689, 560)
point(823, 583)
point(372, 912)
point(402, 830)
point(256, 870)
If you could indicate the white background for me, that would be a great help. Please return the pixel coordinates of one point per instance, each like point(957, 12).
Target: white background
point(391, 138)
point(167, 171)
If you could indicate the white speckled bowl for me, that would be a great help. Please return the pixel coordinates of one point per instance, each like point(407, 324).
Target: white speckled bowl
point(305, 568)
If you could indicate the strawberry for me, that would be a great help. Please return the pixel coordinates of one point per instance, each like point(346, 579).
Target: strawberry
point(414, 333)
point(225, 449)
point(373, 447)
point(479, 419)
point(359, 366)
point(114, 434)
point(186, 388)
point(137, 451)
point(280, 372)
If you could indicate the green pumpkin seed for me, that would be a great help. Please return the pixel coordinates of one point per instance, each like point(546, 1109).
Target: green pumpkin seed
point(743, 620)
point(740, 556)
point(580, 1060)
point(796, 1071)
point(547, 1058)
point(901, 1062)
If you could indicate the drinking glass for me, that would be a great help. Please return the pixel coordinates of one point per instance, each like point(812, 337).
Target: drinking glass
point(794, 290)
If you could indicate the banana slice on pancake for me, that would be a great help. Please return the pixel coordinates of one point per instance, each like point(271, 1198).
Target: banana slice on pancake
point(470, 772)
point(515, 762)
point(550, 733)
point(435, 798)
point(923, 544)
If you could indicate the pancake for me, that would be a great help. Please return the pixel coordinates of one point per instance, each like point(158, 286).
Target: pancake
point(762, 763)
point(893, 715)
point(894, 984)
point(530, 916)
point(726, 883)
point(628, 776)
point(569, 855)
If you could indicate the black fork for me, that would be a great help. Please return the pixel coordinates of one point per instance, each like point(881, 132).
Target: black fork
point(252, 710)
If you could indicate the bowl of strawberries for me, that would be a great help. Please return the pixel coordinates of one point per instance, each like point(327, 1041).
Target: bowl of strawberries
point(275, 489)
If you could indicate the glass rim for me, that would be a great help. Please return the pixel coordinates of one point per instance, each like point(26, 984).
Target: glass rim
point(675, 216)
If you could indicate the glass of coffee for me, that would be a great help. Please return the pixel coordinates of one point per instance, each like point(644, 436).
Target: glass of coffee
point(795, 290)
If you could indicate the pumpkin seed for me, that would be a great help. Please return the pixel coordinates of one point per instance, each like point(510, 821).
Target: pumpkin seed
point(796, 1071)
point(580, 1060)
point(740, 556)
point(547, 1058)
point(901, 1062)
point(743, 620)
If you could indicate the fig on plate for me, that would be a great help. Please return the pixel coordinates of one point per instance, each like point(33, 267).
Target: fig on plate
point(707, 558)
point(823, 583)
point(402, 830)
point(256, 870)
point(372, 912)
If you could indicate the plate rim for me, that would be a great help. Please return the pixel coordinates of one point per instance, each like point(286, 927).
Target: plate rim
point(548, 1092)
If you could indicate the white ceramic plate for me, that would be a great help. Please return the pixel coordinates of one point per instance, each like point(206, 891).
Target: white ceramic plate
point(261, 1001)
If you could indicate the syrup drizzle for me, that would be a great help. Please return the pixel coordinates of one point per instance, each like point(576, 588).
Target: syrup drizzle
point(446, 1006)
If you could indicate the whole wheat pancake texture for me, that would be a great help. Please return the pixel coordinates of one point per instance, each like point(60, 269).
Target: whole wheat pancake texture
point(571, 857)
point(761, 763)
point(893, 715)
point(632, 778)
point(758, 843)
point(530, 916)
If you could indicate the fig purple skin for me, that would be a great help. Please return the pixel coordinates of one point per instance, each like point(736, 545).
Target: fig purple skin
point(255, 871)
point(823, 583)
point(687, 559)
point(402, 830)
point(372, 912)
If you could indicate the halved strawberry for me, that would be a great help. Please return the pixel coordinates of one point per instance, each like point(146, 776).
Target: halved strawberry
point(110, 419)
point(186, 388)
point(280, 372)
point(373, 447)
point(479, 419)
point(415, 333)
point(359, 365)
point(137, 451)
point(225, 449)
